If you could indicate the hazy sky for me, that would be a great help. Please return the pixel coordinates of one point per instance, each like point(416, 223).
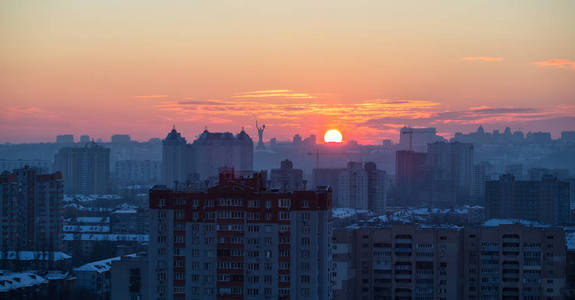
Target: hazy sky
point(299, 66)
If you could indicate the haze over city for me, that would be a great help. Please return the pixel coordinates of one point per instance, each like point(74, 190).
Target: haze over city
point(366, 68)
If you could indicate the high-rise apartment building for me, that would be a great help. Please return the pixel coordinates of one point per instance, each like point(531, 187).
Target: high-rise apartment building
point(31, 206)
point(204, 158)
point(120, 139)
point(65, 139)
point(216, 150)
point(416, 139)
point(286, 178)
point(352, 189)
point(503, 259)
point(356, 186)
point(546, 201)
point(411, 177)
point(138, 171)
point(397, 262)
point(85, 170)
point(175, 161)
point(239, 241)
point(451, 169)
point(507, 260)
point(377, 186)
point(478, 179)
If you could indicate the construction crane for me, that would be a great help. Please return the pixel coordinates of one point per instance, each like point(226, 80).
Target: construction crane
point(409, 130)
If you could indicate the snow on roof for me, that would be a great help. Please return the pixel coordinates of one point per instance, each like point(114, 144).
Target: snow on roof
point(86, 198)
point(101, 265)
point(13, 281)
point(33, 255)
point(85, 228)
point(342, 213)
point(55, 275)
point(107, 237)
point(125, 211)
point(93, 220)
point(497, 222)
point(570, 240)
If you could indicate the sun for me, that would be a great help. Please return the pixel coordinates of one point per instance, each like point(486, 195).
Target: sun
point(333, 136)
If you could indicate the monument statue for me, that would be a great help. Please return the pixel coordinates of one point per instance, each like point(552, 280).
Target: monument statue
point(260, 145)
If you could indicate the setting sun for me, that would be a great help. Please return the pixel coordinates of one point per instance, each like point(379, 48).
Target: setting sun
point(333, 136)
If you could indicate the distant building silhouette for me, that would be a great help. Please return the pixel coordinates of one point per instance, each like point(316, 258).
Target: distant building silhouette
point(138, 171)
point(204, 158)
point(451, 169)
point(377, 186)
point(84, 139)
point(175, 158)
point(538, 173)
point(411, 178)
point(568, 136)
point(31, 206)
point(328, 177)
point(546, 200)
point(356, 186)
point(120, 139)
point(352, 189)
point(85, 170)
point(65, 139)
point(215, 150)
point(286, 178)
point(418, 138)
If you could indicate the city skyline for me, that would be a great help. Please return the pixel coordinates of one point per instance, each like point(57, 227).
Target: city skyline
point(299, 67)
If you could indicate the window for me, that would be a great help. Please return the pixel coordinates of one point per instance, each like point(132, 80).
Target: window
point(284, 215)
point(180, 214)
point(253, 203)
point(284, 203)
point(268, 204)
point(305, 204)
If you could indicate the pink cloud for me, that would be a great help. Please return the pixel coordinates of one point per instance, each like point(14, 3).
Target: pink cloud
point(557, 63)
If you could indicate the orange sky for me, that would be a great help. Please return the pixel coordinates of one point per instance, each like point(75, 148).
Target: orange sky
point(364, 67)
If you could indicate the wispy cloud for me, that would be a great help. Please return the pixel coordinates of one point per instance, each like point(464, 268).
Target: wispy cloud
point(151, 96)
point(557, 63)
point(288, 94)
point(482, 58)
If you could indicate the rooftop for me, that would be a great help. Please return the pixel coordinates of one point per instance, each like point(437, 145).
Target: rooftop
point(33, 255)
point(101, 265)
